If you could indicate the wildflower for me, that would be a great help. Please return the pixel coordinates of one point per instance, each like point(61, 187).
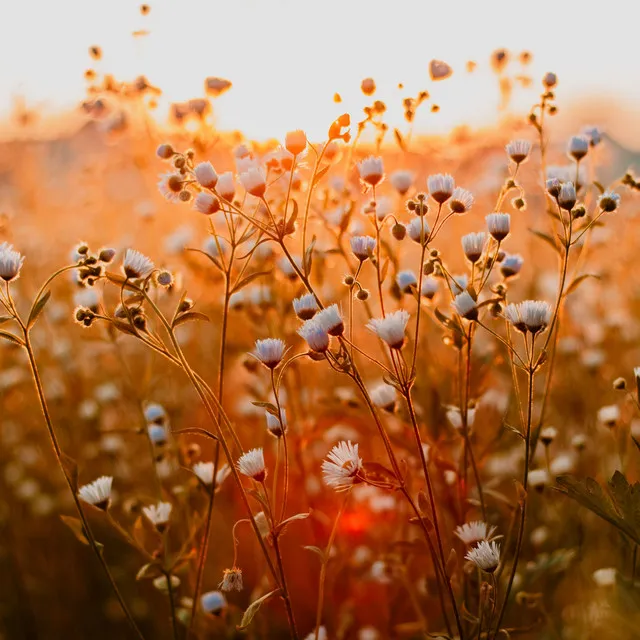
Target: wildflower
point(511, 265)
point(157, 434)
point(206, 203)
point(485, 556)
point(530, 315)
point(315, 335)
point(441, 187)
point(226, 187)
point(330, 319)
point(418, 230)
point(473, 532)
point(454, 416)
point(155, 413)
point(609, 201)
point(368, 86)
point(136, 265)
point(165, 278)
point(10, 262)
point(170, 186)
point(251, 464)
point(206, 175)
point(498, 225)
point(213, 602)
point(567, 196)
point(550, 80)
point(429, 287)
point(270, 352)
point(593, 135)
point(277, 426)
point(295, 142)
point(609, 415)
point(465, 306)
point(363, 247)
point(538, 478)
point(161, 583)
point(158, 514)
point(87, 298)
point(605, 577)
point(231, 579)
point(385, 397)
point(253, 180)
point(406, 280)
point(439, 70)
point(553, 187)
point(472, 245)
point(305, 306)
point(165, 151)
point(461, 200)
point(401, 181)
point(342, 468)
point(578, 147)
point(97, 493)
point(518, 150)
point(548, 435)
point(579, 441)
point(204, 472)
point(371, 170)
point(460, 283)
point(391, 328)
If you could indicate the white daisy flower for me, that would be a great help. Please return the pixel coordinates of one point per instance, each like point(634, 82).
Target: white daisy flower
point(418, 230)
point(251, 464)
point(213, 602)
point(486, 556)
point(384, 396)
point(518, 150)
point(593, 134)
point(609, 415)
point(567, 196)
point(305, 306)
point(270, 352)
point(330, 319)
point(363, 247)
point(206, 203)
point(97, 493)
point(578, 147)
point(406, 280)
point(391, 329)
point(473, 532)
point(371, 170)
point(343, 466)
point(154, 412)
point(10, 262)
point(441, 187)
point(206, 175)
point(158, 514)
point(315, 335)
point(170, 186)
point(473, 245)
point(226, 187)
point(253, 180)
point(277, 426)
point(498, 225)
point(609, 201)
point(538, 478)
point(511, 265)
point(430, 287)
point(157, 434)
point(530, 315)
point(605, 577)
point(461, 200)
point(401, 181)
point(295, 142)
point(136, 265)
point(465, 306)
point(548, 435)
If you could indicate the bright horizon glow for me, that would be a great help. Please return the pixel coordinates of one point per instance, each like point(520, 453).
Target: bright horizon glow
point(286, 58)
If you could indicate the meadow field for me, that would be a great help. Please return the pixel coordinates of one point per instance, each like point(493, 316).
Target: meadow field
point(382, 383)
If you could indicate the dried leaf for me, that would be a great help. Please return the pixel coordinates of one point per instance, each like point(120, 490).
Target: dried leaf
point(37, 308)
point(267, 406)
point(298, 516)
point(252, 609)
point(316, 550)
point(4, 319)
point(149, 570)
point(75, 524)
point(11, 338)
point(248, 279)
point(579, 280)
point(189, 316)
point(378, 473)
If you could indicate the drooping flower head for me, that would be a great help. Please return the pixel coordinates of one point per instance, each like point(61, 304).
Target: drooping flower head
point(158, 514)
point(97, 493)
point(342, 468)
point(472, 532)
point(391, 329)
point(136, 265)
point(530, 315)
point(10, 262)
point(251, 464)
point(231, 580)
point(485, 556)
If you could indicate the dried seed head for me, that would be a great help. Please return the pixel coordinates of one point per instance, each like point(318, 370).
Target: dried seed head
point(165, 151)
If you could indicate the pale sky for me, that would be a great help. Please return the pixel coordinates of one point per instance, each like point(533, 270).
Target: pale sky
point(286, 58)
